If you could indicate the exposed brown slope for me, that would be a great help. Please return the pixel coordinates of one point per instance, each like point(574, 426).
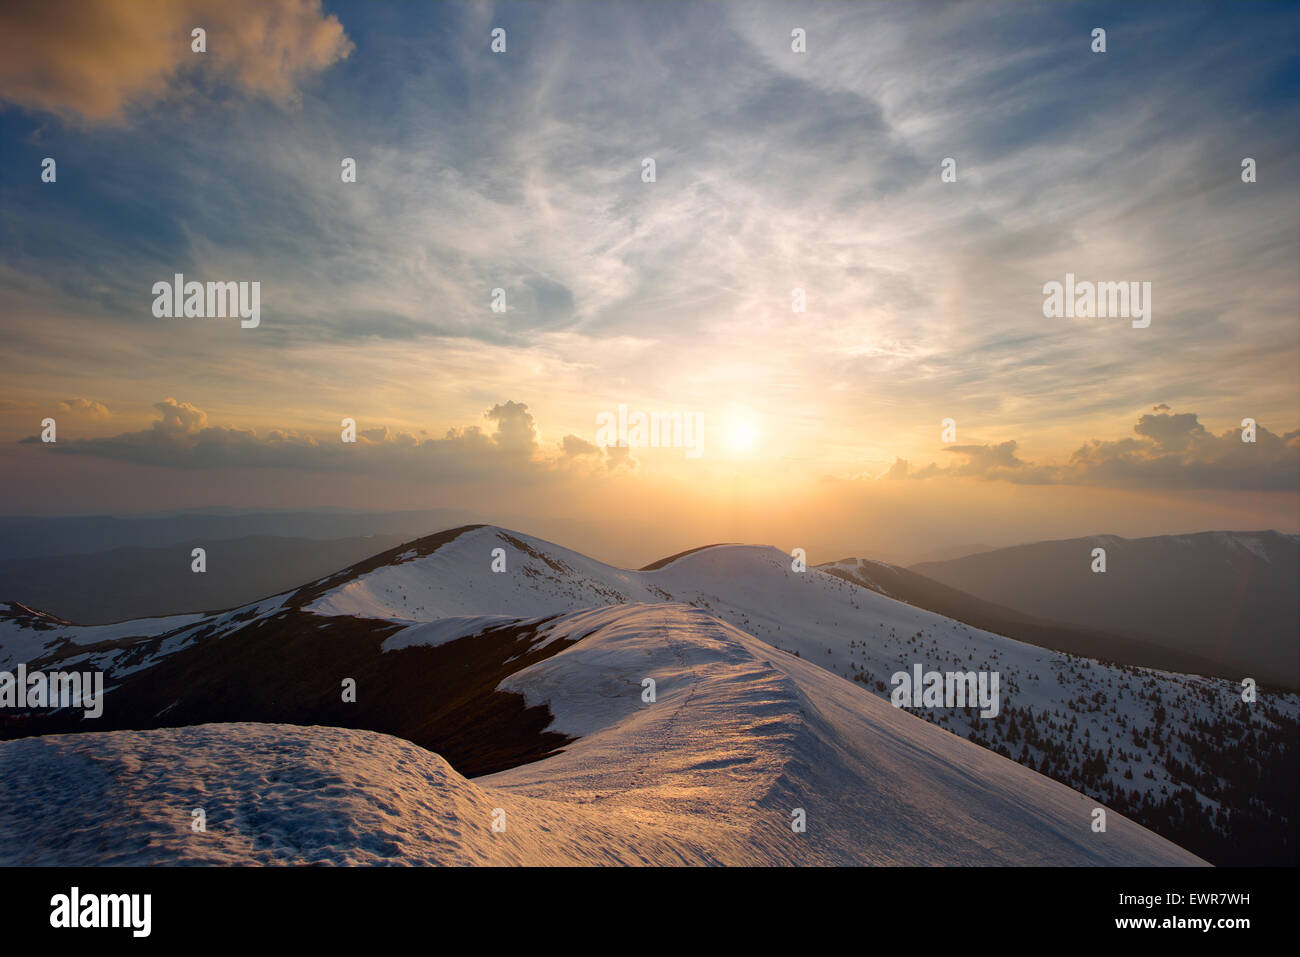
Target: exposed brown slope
point(290, 669)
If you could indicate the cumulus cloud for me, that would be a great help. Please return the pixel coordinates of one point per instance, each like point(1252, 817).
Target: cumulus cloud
point(93, 61)
point(583, 456)
point(980, 461)
point(84, 408)
point(1170, 450)
point(1177, 451)
point(988, 461)
point(619, 457)
point(179, 418)
point(182, 437)
point(1171, 432)
point(898, 470)
point(575, 447)
point(515, 432)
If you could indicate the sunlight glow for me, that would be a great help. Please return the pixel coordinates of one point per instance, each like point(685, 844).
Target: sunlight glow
point(741, 436)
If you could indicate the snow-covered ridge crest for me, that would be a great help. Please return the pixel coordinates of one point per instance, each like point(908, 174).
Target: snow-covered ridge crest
point(738, 737)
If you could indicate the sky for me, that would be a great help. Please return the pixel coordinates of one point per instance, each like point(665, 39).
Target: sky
point(774, 171)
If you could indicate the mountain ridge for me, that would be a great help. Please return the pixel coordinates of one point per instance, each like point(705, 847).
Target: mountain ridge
point(1126, 736)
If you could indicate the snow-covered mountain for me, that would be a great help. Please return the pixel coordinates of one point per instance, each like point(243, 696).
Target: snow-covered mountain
point(495, 649)
point(739, 744)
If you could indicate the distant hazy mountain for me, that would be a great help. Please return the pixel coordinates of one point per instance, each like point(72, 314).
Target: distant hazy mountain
point(906, 585)
point(24, 537)
point(951, 552)
point(497, 650)
point(1230, 597)
point(127, 583)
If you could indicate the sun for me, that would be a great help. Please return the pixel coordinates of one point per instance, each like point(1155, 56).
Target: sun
point(741, 436)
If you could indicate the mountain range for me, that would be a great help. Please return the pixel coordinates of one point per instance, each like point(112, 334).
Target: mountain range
point(723, 705)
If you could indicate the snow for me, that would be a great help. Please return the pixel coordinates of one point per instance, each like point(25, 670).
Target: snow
point(849, 630)
point(1256, 544)
point(108, 648)
point(456, 580)
point(20, 643)
point(444, 630)
point(739, 736)
point(754, 717)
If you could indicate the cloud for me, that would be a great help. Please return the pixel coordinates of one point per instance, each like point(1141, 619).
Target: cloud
point(85, 408)
point(1171, 432)
point(183, 438)
point(93, 61)
point(592, 458)
point(899, 470)
point(1171, 450)
point(1176, 451)
point(179, 418)
point(988, 461)
point(619, 457)
point(575, 447)
point(516, 433)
